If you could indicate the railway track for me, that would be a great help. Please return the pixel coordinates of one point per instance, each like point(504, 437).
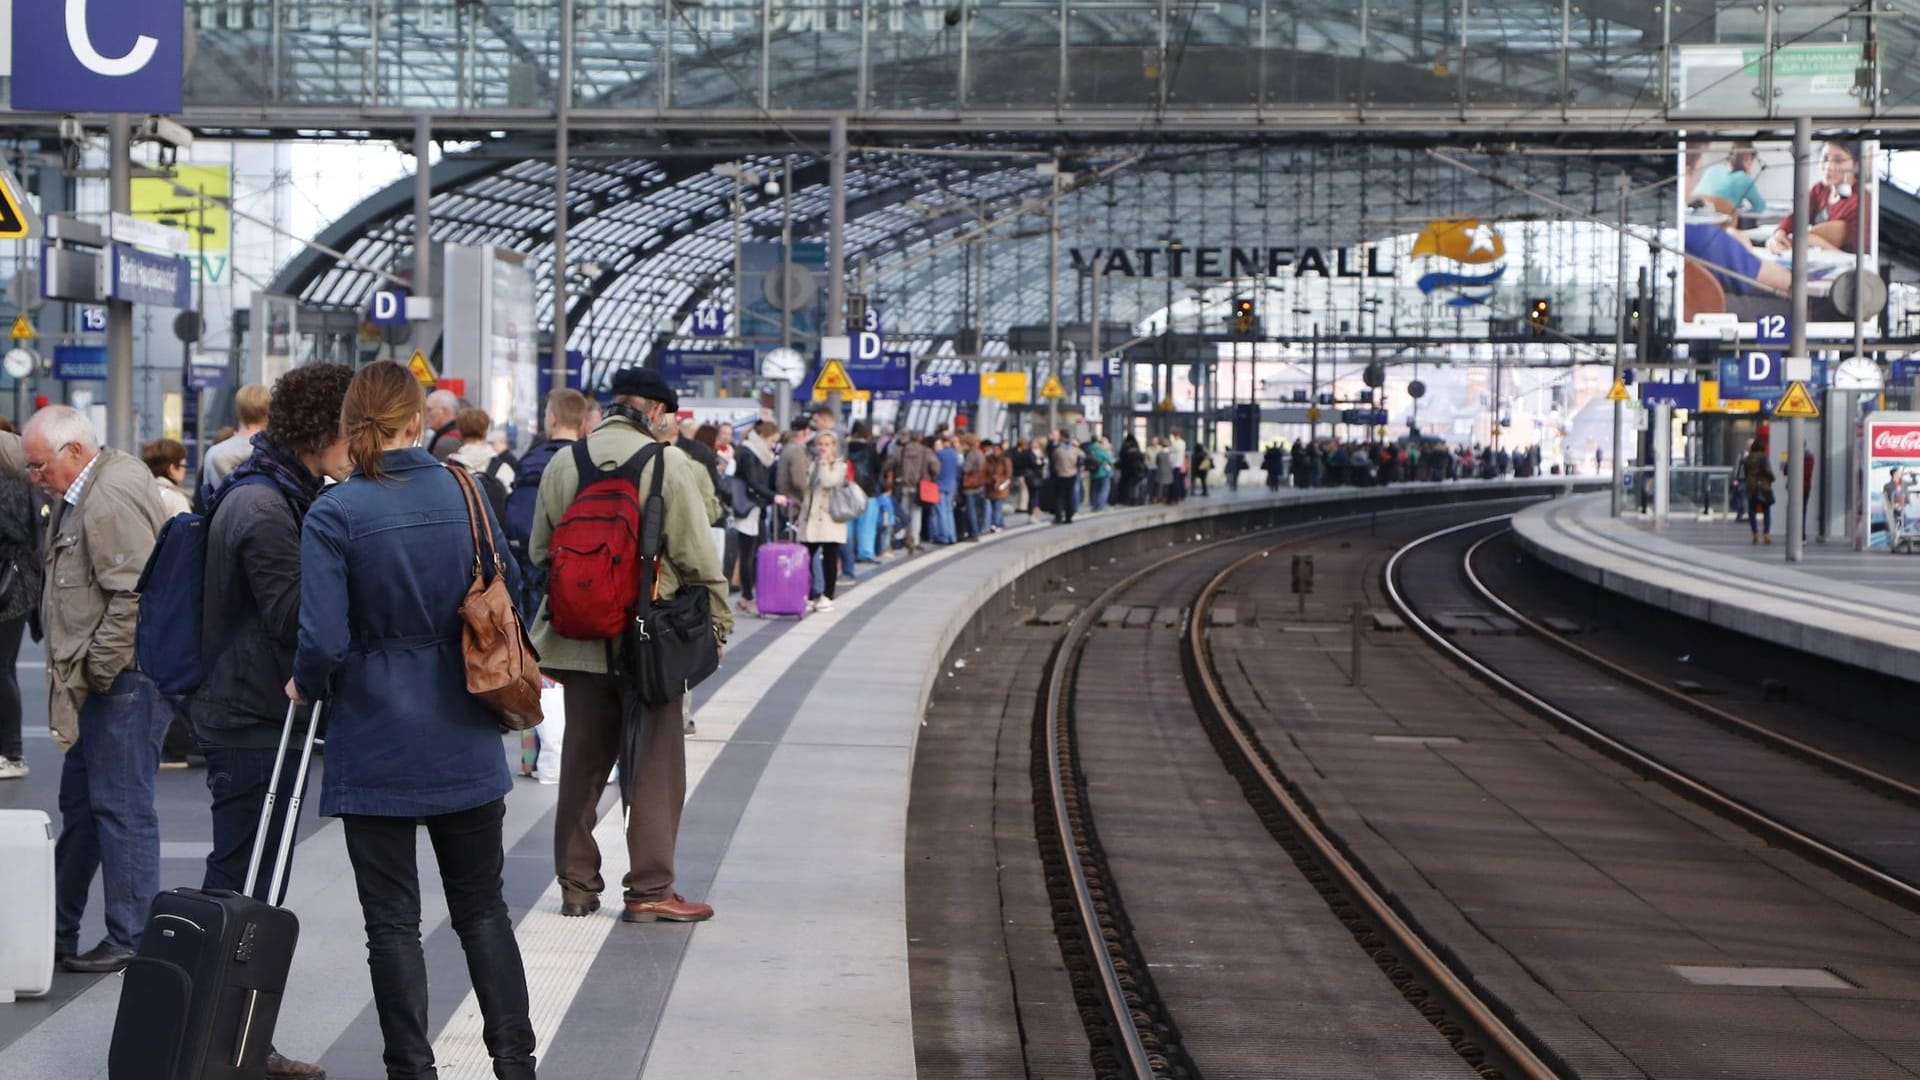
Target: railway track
point(1134, 1030)
point(1827, 807)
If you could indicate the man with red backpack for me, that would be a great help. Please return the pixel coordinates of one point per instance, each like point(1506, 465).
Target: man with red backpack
point(584, 537)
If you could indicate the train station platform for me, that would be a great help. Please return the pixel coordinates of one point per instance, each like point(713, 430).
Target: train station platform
point(795, 830)
point(1859, 608)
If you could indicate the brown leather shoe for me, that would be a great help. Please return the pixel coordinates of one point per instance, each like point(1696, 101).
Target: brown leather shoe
point(667, 909)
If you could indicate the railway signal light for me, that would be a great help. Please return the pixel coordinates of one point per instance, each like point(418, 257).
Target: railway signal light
point(1243, 320)
point(1539, 315)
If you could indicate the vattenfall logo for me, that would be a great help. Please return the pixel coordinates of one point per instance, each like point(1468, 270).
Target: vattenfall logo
point(1230, 262)
point(1460, 242)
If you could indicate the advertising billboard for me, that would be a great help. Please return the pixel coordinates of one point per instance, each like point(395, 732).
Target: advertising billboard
point(1891, 499)
point(1736, 213)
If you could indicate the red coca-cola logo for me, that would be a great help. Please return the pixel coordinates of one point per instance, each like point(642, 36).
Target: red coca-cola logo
point(1902, 440)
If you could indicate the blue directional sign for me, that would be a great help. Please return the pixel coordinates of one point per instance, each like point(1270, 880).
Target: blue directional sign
point(1760, 376)
point(1682, 395)
point(946, 386)
point(682, 365)
point(143, 278)
point(206, 376)
point(389, 307)
point(709, 321)
point(103, 56)
point(1905, 371)
point(1092, 385)
point(1369, 417)
point(80, 362)
point(890, 371)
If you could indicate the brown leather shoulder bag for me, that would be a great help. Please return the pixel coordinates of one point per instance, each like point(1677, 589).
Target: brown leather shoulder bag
point(502, 669)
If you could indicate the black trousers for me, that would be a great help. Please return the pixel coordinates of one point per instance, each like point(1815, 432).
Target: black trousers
point(11, 745)
point(748, 548)
point(829, 556)
point(467, 845)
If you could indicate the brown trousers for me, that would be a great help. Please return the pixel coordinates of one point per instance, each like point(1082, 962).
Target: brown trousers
point(587, 759)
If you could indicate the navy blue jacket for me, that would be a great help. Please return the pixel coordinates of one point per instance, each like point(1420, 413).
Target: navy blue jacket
point(525, 497)
point(383, 568)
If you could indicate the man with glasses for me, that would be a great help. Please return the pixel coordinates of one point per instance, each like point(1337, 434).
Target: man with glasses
point(107, 717)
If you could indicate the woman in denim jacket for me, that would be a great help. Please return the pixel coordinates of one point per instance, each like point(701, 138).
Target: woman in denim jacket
point(385, 561)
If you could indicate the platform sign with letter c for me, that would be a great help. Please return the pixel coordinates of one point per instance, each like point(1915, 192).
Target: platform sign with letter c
point(98, 55)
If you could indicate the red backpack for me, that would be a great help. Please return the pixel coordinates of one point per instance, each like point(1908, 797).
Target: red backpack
point(593, 577)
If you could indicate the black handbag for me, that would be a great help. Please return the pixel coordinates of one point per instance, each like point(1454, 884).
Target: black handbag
point(742, 498)
point(670, 647)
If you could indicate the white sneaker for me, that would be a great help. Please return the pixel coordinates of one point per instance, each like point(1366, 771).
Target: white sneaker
point(12, 768)
point(823, 605)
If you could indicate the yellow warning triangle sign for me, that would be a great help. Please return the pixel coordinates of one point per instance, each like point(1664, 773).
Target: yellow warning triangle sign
point(421, 369)
point(22, 328)
point(1619, 391)
point(1053, 391)
point(833, 379)
point(1796, 402)
point(16, 214)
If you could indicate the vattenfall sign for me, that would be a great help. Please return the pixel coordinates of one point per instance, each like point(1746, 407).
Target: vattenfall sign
point(1231, 262)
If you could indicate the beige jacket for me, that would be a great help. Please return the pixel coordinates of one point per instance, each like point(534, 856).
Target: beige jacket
point(691, 560)
point(816, 519)
point(95, 553)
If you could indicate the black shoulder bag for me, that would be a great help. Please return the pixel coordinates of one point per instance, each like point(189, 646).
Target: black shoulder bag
point(671, 646)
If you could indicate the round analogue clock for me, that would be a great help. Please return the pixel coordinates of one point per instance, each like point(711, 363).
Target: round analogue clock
point(785, 364)
point(1857, 373)
point(19, 363)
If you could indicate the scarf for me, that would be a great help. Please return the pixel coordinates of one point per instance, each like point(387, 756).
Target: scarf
point(760, 449)
point(282, 466)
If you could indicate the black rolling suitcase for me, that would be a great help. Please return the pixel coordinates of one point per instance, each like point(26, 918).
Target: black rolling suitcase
point(200, 1000)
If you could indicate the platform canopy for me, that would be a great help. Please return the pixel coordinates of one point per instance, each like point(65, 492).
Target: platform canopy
point(1323, 233)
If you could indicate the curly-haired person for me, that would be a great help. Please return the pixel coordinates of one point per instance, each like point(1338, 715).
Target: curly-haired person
point(252, 620)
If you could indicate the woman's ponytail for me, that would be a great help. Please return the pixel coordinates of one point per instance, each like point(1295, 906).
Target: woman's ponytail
point(381, 401)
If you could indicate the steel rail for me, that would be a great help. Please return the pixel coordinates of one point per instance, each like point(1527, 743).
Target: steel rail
point(1065, 661)
point(1750, 817)
point(1889, 786)
point(1473, 1008)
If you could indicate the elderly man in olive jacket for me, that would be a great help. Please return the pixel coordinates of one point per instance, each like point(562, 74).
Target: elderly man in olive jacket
point(106, 715)
point(595, 714)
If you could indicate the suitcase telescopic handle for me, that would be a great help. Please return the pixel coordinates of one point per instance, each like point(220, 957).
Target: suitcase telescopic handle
point(285, 853)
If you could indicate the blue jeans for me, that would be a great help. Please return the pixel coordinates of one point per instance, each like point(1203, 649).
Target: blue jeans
point(943, 518)
point(977, 510)
point(108, 822)
point(237, 779)
point(885, 518)
point(997, 513)
point(866, 530)
point(1101, 487)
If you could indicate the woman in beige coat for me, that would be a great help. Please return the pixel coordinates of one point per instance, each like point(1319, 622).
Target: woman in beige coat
point(823, 535)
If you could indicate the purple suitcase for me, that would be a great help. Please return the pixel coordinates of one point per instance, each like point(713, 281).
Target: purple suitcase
point(783, 578)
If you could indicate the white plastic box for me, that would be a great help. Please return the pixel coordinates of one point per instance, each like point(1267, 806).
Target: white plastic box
point(26, 904)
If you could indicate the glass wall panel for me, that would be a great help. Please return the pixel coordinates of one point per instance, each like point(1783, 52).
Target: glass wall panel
point(717, 51)
point(913, 54)
point(1313, 55)
point(815, 63)
point(1614, 53)
point(1413, 54)
point(1213, 55)
point(1013, 53)
point(1114, 53)
point(235, 62)
point(1512, 55)
point(617, 49)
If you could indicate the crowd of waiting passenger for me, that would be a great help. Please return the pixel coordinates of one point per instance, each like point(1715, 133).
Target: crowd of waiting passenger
point(340, 557)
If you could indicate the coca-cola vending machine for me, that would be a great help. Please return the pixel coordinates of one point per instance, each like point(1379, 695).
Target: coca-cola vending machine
point(1891, 475)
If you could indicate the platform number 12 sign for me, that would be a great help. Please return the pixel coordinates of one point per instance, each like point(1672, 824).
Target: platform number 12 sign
point(1772, 328)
